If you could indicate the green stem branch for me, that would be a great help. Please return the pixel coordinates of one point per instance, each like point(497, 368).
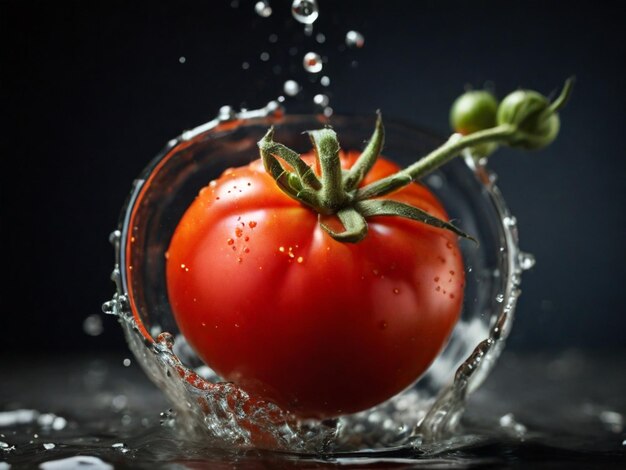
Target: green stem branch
point(452, 148)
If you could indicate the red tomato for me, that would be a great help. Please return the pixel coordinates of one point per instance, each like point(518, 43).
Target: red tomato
point(271, 302)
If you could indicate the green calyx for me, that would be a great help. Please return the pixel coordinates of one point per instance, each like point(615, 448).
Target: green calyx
point(336, 191)
point(524, 119)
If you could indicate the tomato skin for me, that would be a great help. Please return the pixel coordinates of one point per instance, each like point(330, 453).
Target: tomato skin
point(271, 302)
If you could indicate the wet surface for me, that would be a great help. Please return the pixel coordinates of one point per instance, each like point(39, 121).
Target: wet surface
point(560, 410)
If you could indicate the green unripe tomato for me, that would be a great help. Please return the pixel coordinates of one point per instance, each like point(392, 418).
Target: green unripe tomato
point(526, 110)
point(473, 111)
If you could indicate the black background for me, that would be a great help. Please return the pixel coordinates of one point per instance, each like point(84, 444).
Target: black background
point(91, 91)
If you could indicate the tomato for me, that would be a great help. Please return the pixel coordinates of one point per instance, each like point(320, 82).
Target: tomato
point(320, 327)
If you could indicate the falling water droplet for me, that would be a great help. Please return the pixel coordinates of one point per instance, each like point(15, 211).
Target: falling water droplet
point(325, 80)
point(321, 100)
point(320, 38)
point(354, 39)
point(182, 59)
point(92, 325)
point(291, 88)
point(263, 9)
point(526, 260)
point(305, 11)
point(500, 298)
point(48, 445)
point(312, 62)
point(265, 56)
point(126, 362)
point(245, 65)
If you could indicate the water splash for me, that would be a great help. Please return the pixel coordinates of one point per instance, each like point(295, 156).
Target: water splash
point(226, 415)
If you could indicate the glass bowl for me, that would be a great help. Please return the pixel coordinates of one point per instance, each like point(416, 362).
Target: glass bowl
point(223, 415)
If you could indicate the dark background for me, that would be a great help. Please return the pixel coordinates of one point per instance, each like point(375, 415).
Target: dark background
point(91, 91)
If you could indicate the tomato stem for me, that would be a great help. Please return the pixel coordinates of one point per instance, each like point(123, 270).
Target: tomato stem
point(452, 148)
point(526, 119)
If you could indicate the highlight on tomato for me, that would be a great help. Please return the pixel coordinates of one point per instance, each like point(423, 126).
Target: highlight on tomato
point(328, 282)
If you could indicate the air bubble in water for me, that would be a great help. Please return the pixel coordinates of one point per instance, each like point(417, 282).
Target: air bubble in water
point(291, 88)
point(263, 9)
point(312, 62)
point(92, 325)
point(305, 11)
point(321, 100)
point(354, 39)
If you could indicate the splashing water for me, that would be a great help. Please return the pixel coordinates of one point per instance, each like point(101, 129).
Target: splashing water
point(224, 414)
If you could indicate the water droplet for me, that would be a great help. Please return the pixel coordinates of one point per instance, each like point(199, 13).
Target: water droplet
point(263, 9)
point(354, 39)
point(510, 221)
point(115, 237)
point(92, 325)
point(291, 88)
point(119, 402)
point(526, 260)
point(305, 11)
point(126, 362)
point(48, 445)
point(252, 224)
point(165, 339)
point(245, 65)
point(319, 37)
point(509, 423)
point(325, 80)
point(500, 298)
point(328, 111)
point(321, 100)
point(226, 113)
point(300, 259)
point(230, 241)
point(273, 38)
point(396, 290)
point(182, 59)
point(265, 56)
point(312, 62)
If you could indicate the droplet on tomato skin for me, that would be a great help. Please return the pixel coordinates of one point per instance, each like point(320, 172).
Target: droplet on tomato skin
point(452, 296)
point(396, 290)
point(252, 223)
point(238, 232)
point(436, 279)
point(383, 325)
point(300, 259)
point(246, 250)
point(281, 249)
point(230, 241)
point(438, 288)
point(451, 273)
point(246, 238)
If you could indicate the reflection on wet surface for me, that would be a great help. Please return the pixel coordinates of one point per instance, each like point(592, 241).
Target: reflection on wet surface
point(561, 410)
